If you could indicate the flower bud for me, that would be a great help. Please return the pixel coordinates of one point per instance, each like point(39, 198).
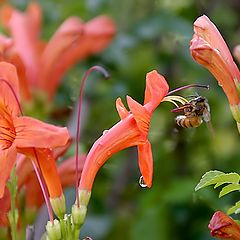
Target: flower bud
point(222, 226)
point(54, 230)
point(78, 214)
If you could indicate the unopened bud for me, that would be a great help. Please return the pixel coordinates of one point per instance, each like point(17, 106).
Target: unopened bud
point(78, 214)
point(54, 230)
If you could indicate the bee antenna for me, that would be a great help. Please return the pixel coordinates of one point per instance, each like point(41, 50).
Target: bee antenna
point(188, 86)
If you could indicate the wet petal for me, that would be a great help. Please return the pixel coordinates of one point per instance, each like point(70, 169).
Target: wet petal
point(31, 132)
point(9, 96)
point(156, 89)
point(145, 161)
point(7, 161)
point(122, 111)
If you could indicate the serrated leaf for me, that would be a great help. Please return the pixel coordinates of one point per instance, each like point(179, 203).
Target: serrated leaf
point(206, 178)
point(219, 184)
point(229, 188)
point(234, 209)
point(218, 178)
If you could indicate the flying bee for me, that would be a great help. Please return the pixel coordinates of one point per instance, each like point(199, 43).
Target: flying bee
point(195, 112)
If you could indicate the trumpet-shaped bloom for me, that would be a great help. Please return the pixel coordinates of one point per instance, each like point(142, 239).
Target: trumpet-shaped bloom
point(132, 130)
point(20, 134)
point(222, 226)
point(28, 184)
point(209, 49)
point(41, 65)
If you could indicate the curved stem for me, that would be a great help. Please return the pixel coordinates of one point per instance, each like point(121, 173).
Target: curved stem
point(43, 186)
point(188, 86)
point(106, 75)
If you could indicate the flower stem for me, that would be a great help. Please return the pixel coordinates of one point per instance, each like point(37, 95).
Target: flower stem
point(106, 75)
point(188, 86)
point(43, 188)
point(13, 213)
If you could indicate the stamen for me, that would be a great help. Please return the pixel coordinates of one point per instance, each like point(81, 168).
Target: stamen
point(40, 178)
point(14, 94)
point(173, 99)
point(188, 86)
point(88, 72)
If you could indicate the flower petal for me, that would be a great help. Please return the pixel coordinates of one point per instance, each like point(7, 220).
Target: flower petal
point(7, 161)
point(145, 161)
point(212, 59)
point(156, 89)
point(31, 132)
point(205, 29)
point(100, 32)
point(24, 168)
point(74, 41)
point(140, 114)
point(33, 193)
point(23, 31)
point(67, 170)
point(222, 226)
point(9, 96)
point(47, 163)
point(122, 111)
point(64, 41)
point(5, 205)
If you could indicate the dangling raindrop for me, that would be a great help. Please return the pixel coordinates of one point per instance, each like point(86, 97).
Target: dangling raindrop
point(141, 182)
point(104, 132)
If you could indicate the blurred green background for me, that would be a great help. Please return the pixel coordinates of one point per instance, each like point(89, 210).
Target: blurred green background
point(151, 35)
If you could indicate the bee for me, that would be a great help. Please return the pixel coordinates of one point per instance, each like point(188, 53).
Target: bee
point(195, 112)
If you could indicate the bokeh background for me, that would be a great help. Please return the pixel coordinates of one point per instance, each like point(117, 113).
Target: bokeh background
point(151, 34)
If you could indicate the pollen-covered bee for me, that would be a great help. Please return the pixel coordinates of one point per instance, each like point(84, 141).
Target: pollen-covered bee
point(195, 112)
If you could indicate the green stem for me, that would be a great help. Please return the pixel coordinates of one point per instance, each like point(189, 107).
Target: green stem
point(76, 232)
point(13, 213)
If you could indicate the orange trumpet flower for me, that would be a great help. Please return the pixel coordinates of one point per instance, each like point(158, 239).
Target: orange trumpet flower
point(28, 184)
point(20, 134)
point(132, 130)
point(209, 49)
point(222, 226)
point(41, 65)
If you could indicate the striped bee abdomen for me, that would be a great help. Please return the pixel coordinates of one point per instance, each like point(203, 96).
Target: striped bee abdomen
point(188, 122)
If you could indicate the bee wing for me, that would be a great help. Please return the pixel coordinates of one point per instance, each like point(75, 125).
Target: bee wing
point(207, 119)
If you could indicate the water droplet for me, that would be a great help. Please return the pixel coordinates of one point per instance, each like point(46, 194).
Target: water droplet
point(104, 132)
point(141, 182)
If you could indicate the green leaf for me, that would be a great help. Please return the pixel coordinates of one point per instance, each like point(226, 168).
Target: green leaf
point(218, 178)
point(206, 178)
point(229, 188)
point(234, 209)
